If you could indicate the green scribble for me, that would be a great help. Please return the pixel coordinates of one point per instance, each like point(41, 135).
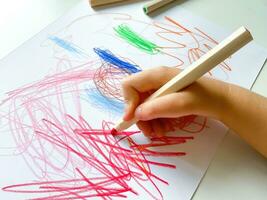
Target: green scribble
point(136, 40)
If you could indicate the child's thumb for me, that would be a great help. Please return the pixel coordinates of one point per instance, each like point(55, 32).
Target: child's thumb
point(168, 106)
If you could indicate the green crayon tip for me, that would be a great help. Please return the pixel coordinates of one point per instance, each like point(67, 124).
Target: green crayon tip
point(145, 9)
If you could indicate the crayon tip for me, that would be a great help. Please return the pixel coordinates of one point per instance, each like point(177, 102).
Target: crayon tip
point(114, 132)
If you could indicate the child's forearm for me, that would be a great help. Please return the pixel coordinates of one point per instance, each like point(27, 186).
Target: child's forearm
point(246, 113)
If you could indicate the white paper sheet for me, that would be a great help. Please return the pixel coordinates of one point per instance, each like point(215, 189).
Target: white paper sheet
point(59, 99)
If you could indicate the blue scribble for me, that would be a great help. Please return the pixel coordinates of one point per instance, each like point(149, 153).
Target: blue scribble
point(94, 97)
point(69, 46)
point(109, 57)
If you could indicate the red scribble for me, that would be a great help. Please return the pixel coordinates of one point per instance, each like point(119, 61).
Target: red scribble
point(112, 163)
point(107, 80)
point(69, 157)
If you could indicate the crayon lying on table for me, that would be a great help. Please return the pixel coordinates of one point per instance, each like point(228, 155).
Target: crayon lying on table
point(95, 3)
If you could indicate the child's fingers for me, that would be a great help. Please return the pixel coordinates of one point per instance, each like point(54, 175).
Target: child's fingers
point(142, 82)
point(131, 98)
point(167, 125)
point(158, 128)
point(169, 106)
point(145, 127)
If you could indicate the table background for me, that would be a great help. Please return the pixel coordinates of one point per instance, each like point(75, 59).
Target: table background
point(237, 171)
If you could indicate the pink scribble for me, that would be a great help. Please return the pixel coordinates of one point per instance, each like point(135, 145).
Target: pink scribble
point(70, 158)
point(52, 129)
point(102, 165)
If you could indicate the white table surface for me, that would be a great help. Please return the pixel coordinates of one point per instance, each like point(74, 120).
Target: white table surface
point(237, 171)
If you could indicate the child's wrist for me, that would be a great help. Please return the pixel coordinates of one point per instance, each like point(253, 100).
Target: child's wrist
point(225, 103)
point(220, 101)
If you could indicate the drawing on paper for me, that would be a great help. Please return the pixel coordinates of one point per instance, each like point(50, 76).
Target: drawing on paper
point(72, 153)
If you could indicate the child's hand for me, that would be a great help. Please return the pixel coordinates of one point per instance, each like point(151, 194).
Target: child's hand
point(243, 111)
point(204, 97)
